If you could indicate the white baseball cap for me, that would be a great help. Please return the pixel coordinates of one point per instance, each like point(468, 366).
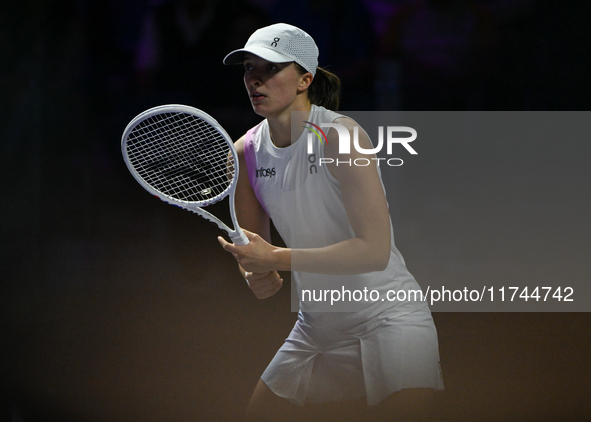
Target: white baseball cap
point(279, 43)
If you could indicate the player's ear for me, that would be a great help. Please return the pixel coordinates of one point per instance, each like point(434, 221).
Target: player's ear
point(305, 81)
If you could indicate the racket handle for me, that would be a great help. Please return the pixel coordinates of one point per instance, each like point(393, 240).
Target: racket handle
point(240, 239)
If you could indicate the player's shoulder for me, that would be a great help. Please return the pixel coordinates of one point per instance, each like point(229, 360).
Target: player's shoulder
point(346, 121)
point(333, 135)
point(240, 144)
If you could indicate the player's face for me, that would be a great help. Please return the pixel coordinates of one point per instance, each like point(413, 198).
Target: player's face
point(272, 87)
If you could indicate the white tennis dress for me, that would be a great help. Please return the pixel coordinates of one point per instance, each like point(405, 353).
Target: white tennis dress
point(377, 347)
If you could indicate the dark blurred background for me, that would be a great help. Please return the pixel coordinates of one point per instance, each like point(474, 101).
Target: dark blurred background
point(117, 307)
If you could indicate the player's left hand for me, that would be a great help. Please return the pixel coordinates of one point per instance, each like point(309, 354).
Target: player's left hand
point(264, 285)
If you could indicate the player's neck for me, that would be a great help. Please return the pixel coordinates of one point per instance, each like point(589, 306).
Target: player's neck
point(281, 129)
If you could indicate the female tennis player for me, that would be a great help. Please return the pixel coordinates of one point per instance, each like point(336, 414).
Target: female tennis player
point(379, 360)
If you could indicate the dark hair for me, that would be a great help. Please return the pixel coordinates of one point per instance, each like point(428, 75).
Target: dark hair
point(325, 89)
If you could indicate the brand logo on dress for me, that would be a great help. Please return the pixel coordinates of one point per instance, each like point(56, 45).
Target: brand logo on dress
point(263, 172)
point(311, 155)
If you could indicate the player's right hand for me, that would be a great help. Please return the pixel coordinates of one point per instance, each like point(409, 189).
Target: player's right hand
point(264, 285)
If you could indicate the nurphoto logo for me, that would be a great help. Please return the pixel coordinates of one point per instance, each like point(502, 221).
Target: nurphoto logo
point(345, 144)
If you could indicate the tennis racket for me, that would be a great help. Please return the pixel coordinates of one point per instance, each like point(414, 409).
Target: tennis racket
point(185, 158)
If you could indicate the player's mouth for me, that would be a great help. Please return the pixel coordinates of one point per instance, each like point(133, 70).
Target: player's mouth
point(257, 97)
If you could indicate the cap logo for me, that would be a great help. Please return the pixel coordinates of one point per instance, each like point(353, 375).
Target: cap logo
point(275, 41)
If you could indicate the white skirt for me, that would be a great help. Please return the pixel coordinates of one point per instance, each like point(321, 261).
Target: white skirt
point(317, 365)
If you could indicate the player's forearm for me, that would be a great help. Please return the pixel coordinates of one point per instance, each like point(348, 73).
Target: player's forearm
point(353, 256)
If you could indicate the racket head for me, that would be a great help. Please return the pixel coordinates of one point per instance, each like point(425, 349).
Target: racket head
point(180, 154)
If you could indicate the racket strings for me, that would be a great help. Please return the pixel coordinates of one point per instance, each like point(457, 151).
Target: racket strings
point(182, 156)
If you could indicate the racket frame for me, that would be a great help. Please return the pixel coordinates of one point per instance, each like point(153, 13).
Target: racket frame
point(236, 235)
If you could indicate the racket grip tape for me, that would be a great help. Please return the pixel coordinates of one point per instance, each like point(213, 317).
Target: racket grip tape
point(240, 238)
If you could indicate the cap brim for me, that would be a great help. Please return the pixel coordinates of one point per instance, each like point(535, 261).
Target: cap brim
point(237, 56)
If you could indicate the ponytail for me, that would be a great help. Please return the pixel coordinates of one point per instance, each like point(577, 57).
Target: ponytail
point(325, 89)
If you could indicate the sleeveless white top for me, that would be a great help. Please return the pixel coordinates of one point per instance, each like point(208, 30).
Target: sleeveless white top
point(374, 348)
point(304, 201)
